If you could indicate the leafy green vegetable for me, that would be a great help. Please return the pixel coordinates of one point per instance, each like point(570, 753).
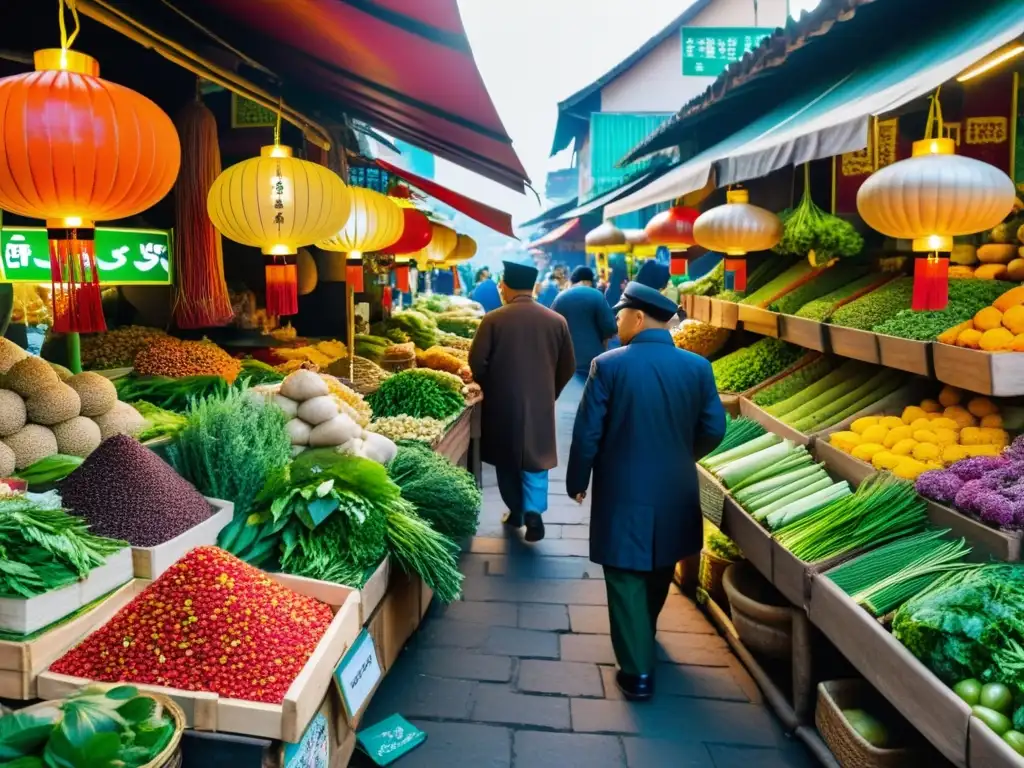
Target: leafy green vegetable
point(413, 394)
point(162, 423)
point(824, 283)
point(966, 297)
point(737, 432)
point(746, 367)
point(821, 309)
point(168, 393)
point(796, 381)
point(808, 231)
point(50, 470)
point(708, 285)
point(875, 307)
point(791, 278)
point(444, 495)
point(465, 327)
point(420, 549)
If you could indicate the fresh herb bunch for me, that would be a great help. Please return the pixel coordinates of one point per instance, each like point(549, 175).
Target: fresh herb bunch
point(168, 393)
point(708, 285)
point(43, 548)
point(411, 393)
point(466, 327)
point(420, 549)
point(822, 308)
point(876, 307)
point(444, 495)
point(92, 727)
point(746, 367)
point(798, 380)
point(162, 423)
point(229, 447)
point(787, 280)
point(966, 298)
point(737, 432)
point(823, 283)
point(808, 231)
point(420, 329)
point(371, 347)
point(722, 546)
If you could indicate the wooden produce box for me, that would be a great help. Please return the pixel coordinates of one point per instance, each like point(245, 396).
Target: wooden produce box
point(23, 616)
point(373, 591)
point(286, 721)
point(905, 354)
point(985, 541)
point(757, 320)
point(150, 562)
point(928, 704)
point(22, 661)
point(850, 342)
point(712, 496)
point(792, 576)
point(725, 314)
point(686, 302)
point(702, 309)
point(750, 536)
point(988, 373)
point(803, 332)
point(454, 445)
point(401, 614)
point(986, 749)
point(772, 424)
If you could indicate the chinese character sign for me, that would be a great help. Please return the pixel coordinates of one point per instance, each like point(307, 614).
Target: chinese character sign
point(707, 51)
point(123, 256)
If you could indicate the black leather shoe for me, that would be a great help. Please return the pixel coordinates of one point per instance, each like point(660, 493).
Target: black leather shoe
point(635, 687)
point(513, 519)
point(534, 527)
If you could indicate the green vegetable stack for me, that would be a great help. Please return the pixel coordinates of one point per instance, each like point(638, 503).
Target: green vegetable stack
point(876, 307)
point(708, 285)
point(822, 308)
point(966, 298)
point(92, 727)
point(768, 270)
point(795, 382)
point(788, 280)
point(371, 347)
point(808, 231)
point(445, 495)
point(170, 394)
point(824, 283)
point(746, 367)
point(417, 393)
point(420, 329)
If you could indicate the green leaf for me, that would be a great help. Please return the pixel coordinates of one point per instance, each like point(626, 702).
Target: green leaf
point(23, 734)
point(138, 709)
point(60, 753)
point(83, 719)
point(101, 750)
point(124, 692)
point(320, 509)
point(29, 761)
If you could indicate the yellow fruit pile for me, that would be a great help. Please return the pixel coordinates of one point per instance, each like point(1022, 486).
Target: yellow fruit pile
point(931, 435)
point(321, 355)
point(999, 328)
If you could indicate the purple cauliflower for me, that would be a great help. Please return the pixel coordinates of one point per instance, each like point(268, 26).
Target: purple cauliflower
point(997, 510)
point(939, 485)
point(1004, 477)
point(1016, 449)
point(977, 466)
point(967, 497)
point(1014, 492)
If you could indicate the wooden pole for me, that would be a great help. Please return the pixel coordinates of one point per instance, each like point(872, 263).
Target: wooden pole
point(350, 329)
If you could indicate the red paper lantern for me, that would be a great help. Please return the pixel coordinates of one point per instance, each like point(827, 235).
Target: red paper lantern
point(673, 228)
point(401, 270)
point(415, 235)
point(354, 273)
point(76, 149)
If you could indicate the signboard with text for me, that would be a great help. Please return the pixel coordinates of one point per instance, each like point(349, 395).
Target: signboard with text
point(707, 51)
point(123, 256)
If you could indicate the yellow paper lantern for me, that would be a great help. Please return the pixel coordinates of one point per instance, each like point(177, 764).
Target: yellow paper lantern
point(465, 249)
point(443, 242)
point(374, 223)
point(277, 202)
point(934, 196)
point(640, 244)
point(737, 228)
point(606, 238)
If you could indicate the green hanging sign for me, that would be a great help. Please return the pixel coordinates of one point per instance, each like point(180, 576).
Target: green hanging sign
point(707, 51)
point(123, 256)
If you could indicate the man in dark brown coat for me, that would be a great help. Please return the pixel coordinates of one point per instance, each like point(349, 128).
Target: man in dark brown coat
point(522, 358)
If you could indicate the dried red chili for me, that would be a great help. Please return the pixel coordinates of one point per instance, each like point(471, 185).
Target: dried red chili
point(209, 623)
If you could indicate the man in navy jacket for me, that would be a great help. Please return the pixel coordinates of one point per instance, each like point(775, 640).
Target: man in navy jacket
point(590, 319)
point(649, 411)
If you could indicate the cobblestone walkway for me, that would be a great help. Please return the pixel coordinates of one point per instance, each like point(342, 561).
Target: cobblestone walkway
point(521, 672)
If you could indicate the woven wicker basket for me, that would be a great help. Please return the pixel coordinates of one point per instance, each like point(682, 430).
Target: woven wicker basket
point(710, 574)
point(398, 364)
point(761, 616)
point(848, 746)
point(170, 756)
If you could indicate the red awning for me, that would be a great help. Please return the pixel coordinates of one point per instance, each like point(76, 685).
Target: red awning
point(499, 221)
point(555, 234)
point(404, 66)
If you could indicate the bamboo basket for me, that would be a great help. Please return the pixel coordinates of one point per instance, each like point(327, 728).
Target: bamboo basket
point(848, 746)
point(394, 365)
point(710, 575)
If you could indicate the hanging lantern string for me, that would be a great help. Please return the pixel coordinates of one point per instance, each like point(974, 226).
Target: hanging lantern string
point(934, 118)
point(67, 41)
point(277, 125)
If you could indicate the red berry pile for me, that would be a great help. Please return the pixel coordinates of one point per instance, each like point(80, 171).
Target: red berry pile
point(209, 623)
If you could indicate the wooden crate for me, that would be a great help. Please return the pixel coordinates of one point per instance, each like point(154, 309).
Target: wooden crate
point(23, 616)
point(21, 662)
point(757, 320)
point(686, 302)
point(772, 424)
point(373, 591)
point(1002, 545)
point(930, 706)
point(702, 309)
point(905, 354)
point(803, 332)
point(286, 721)
point(725, 314)
point(988, 373)
point(849, 342)
point(454, 445)
point(792, 576)
point(150, 562)
point(986, 749)
point(750, 536)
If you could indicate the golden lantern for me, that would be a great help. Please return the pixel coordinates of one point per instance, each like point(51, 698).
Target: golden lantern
point(465, 249)
point(443, 243)
point(930, 198)
point(736, 229)
point(278, 203)
point(374, 223)
point(602, 240)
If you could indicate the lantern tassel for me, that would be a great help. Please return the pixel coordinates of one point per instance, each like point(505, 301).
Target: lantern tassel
point(77, 302)
point(354, 273)
point(456, 283)
point(282, 289)
point(386, 299)
point(678, 265)
point(737, 269)
point(402, 277)
point(931, 283)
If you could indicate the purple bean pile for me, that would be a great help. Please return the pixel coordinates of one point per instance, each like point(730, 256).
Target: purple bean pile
point(125, 491)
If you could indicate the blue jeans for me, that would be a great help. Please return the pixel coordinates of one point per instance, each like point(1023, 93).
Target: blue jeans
point(523, 491)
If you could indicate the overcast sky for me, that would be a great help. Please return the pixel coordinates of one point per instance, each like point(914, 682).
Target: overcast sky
point(534, 53)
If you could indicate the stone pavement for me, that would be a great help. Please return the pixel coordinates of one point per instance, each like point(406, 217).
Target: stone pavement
point(521, 671)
